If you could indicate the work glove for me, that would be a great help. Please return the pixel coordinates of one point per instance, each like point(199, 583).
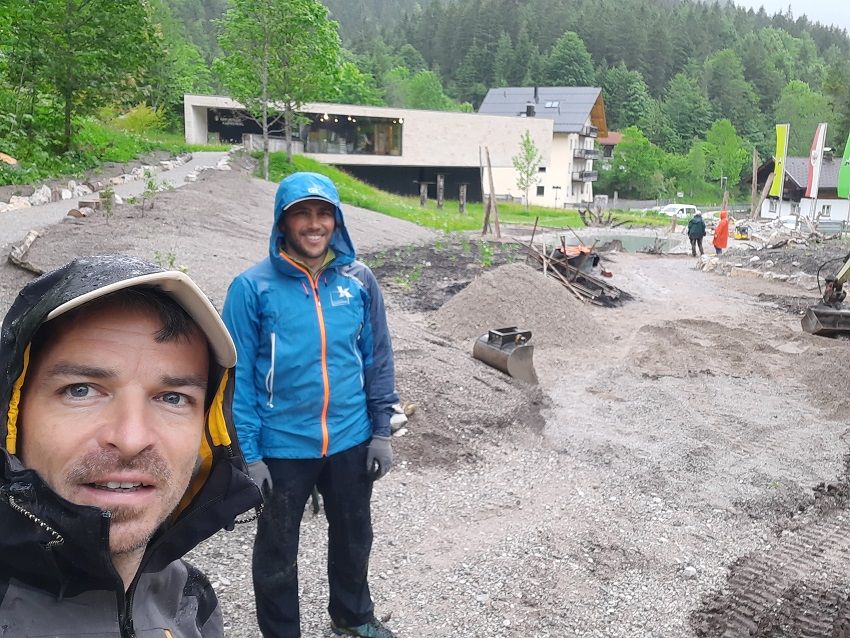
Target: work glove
point(259, 473)
point(379, 457)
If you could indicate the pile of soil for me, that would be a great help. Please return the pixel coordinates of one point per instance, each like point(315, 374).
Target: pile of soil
point(519, 295)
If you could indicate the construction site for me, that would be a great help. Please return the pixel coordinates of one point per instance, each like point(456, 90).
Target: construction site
point(605, 436)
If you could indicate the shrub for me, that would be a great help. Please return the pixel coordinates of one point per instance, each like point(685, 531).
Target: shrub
point(140, 119)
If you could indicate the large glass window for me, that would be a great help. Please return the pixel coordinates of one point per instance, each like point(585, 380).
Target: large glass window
point(329, 133)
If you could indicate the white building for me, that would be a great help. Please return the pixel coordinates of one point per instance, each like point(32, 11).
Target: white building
point(393, 149)
point(578, 116)
point(793, 200)
point(398, 149)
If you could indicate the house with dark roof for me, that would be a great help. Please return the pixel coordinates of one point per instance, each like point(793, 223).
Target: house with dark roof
point(566, 175)
point(794, 200)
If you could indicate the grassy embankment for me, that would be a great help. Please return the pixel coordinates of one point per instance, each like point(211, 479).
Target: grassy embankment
point(356, 193)
point(95, 143)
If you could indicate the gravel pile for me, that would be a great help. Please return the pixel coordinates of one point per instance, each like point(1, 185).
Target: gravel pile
point(518, 295)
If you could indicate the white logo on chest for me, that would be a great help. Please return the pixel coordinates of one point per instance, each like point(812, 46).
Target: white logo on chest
point(341, 296)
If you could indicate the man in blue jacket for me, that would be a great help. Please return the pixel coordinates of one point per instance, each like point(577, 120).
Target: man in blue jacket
point(314, 392)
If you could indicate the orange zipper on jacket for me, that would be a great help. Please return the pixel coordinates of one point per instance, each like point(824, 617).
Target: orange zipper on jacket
point(314, 284)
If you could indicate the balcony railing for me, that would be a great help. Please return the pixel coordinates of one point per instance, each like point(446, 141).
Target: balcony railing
point(587, 153)
point(590, 131)
point(585, 176)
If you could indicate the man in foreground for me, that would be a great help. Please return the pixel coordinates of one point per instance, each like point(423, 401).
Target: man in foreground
point(117, 455)
point(313, 402)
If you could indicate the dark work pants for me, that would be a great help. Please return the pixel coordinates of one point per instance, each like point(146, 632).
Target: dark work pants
point(346, 492)
point(696, 241)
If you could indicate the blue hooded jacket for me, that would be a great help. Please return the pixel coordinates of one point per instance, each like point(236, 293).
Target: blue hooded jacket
point(315, 372)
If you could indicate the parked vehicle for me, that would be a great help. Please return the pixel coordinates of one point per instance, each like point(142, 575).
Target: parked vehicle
point(682, 211)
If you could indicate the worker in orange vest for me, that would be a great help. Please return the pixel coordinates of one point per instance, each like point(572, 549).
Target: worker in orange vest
point(721, 233)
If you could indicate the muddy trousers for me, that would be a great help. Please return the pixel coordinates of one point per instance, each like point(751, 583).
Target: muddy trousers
point(346, 493)
point(696, 242)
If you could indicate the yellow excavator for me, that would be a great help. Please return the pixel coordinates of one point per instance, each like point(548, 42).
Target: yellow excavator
point(830, 318)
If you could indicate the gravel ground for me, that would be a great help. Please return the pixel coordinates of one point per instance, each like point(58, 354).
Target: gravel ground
point(669, 440)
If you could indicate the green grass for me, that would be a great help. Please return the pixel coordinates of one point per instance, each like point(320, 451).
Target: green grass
point(94, 144)
point(449, 219)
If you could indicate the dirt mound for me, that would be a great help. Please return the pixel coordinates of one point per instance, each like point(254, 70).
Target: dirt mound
point(692, 347)
point(463, 406)
point(518, 295)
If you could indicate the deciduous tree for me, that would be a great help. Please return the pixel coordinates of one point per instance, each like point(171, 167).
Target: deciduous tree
point(803, 109)
point(276, 55)
point(526, 164)
point(84, 53)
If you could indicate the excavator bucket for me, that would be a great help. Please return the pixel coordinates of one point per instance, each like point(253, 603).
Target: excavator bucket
point(507, 349)
point(827, 321)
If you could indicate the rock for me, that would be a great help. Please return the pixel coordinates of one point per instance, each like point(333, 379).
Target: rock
point(118, 179)
point(116, 198)
point(16, 201)
point(397, 421)
point(65, 193)
point(768, 263)
point(745, 273)
point(796, 264)
point(400, 432)
point(42, 195)
point(754, 259)
point(689, 573)
point(81, 190)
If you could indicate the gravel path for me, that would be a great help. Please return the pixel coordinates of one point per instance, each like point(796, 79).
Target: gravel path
point(17, 223)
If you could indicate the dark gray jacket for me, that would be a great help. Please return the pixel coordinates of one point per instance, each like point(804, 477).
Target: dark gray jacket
point(56, 574)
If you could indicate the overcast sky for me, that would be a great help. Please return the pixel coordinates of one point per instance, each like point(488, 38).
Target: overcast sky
point(836, 12)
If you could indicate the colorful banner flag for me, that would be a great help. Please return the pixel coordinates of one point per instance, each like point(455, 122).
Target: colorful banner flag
point(779, 160)
point(815, 161)
point(844, 172)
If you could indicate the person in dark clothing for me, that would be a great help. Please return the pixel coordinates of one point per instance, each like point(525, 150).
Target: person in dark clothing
point(315, 389)
point(696, 231)
point(118, 455)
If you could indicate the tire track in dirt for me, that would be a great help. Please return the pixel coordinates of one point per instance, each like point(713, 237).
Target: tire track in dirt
point(799, 588)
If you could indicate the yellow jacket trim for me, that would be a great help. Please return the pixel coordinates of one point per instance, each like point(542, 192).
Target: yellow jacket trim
point(14, 403)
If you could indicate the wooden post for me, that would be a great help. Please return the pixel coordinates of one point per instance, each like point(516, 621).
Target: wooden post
point(762, 197)
point(461, 198)
point(423, 193)
point(754, 189)
point(495, 208)
point(441, 189)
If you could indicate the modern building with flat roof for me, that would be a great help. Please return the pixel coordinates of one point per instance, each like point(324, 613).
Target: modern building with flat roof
point(398, 149)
